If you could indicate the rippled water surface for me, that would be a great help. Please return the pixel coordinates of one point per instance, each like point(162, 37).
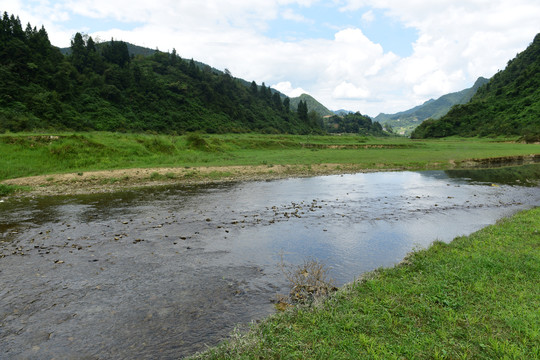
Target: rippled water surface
point(164, 272)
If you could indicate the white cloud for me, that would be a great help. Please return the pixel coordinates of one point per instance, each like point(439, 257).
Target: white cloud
point(368, 16)
point(286, 88)
point(346, 90)
point(435, 82)
point(289, 14)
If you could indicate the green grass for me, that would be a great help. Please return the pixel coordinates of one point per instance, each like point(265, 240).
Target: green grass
point(6, 189)
point(25, 154)
point(9, 189)
point(475, 298)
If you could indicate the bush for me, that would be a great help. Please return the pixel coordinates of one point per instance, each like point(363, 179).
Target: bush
point(530, 138)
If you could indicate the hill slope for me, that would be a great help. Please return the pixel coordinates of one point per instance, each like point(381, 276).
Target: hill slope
point(312, 104)
point(508, 105)
point(104, 87)
point(406, 121)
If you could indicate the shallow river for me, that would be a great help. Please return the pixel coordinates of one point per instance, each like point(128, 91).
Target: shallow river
point(164, 272)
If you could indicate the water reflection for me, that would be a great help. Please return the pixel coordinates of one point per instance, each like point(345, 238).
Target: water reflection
point(165, 271)
point(526, 175)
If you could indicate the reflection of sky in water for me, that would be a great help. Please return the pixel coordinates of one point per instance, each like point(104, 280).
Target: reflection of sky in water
point(371, 220)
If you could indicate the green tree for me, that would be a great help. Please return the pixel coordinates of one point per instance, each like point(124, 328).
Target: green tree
point(315, 119)
point(287, 104)
point(302, 111)
point(78, 52)
point(116, 52)
point(263, 92)
point(276, 99)
point(254, 88)
point(174, 58)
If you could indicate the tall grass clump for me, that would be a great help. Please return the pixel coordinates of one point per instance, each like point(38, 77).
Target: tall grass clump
point(196, 141)
point(308, 281)
point(7, 189)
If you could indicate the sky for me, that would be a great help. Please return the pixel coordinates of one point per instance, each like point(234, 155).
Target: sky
point(370, 56)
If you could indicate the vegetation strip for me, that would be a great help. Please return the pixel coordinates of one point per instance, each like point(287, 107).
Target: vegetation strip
point(101, 161)
point(477, 297)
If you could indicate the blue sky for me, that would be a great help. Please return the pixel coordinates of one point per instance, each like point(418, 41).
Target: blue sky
point(324, 21)
point(370, 56)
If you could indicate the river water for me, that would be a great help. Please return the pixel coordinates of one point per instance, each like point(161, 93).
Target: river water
point(165, 272)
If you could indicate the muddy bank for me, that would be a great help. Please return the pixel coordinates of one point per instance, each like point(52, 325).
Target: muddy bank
point(95, 182)
point(500, 161)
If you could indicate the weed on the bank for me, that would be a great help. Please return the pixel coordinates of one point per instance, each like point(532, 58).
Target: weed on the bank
point(308, 282)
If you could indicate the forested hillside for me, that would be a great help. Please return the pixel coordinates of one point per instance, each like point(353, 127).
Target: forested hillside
point(508, 105)
point(103, 87)
point(406, 121)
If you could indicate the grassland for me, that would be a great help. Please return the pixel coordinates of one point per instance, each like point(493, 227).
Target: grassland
point(38, 154)
point(25, 155)
point(475, 298)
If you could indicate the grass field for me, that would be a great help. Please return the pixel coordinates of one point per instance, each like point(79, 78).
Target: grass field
point(475, 298)
point(38, 154)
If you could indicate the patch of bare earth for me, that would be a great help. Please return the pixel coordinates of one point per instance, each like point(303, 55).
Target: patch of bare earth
point(114, 180)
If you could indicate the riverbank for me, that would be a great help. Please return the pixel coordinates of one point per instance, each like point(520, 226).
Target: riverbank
point(77, 163)
point(476, 297)
point(106, 181)
point(115, 180)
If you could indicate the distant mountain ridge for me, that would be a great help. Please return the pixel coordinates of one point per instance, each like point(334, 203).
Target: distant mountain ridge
point(509, 104)
point(342, 112)
point(405, 122)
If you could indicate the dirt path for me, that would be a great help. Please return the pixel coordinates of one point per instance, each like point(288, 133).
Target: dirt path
point(114, 180)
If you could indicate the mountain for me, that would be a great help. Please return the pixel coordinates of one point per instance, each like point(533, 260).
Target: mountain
point(342, 112)
point(312, 104)
point(107, 87)
point(406, 121)
point(508, 105)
